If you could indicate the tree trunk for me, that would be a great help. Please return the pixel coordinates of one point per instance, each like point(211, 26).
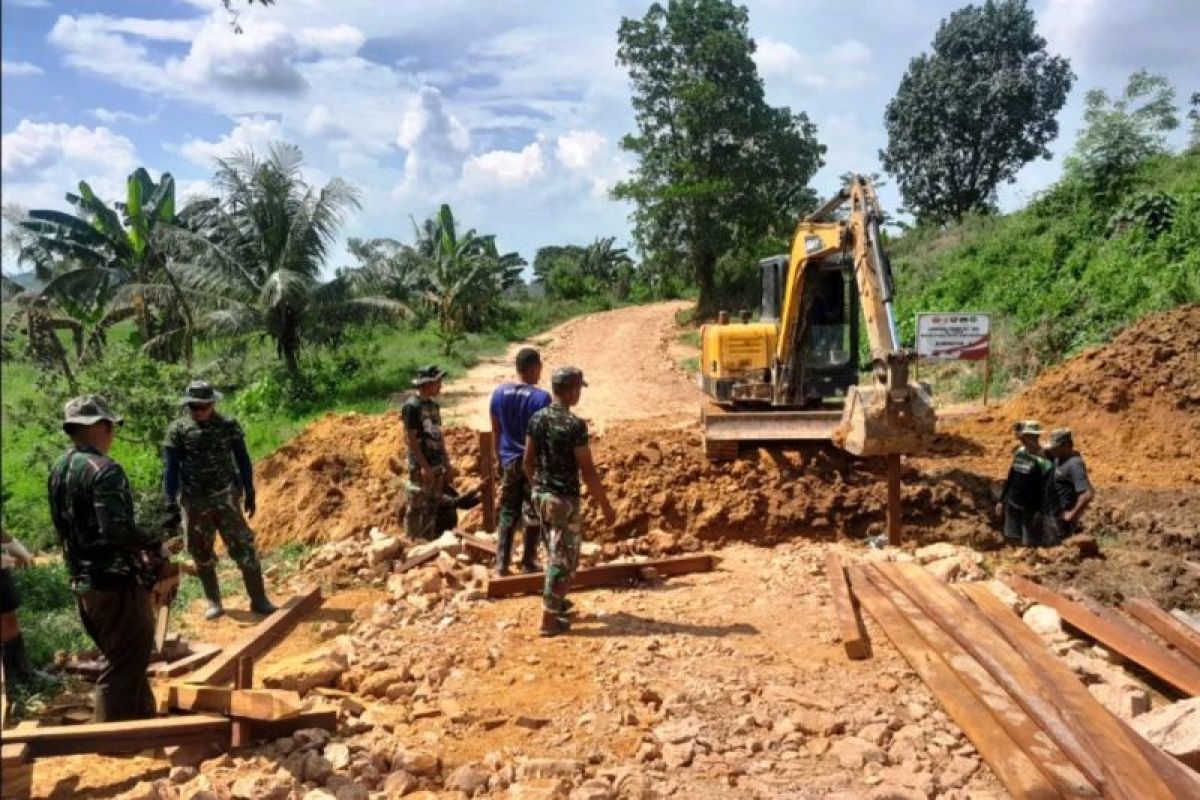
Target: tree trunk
point(704, 266)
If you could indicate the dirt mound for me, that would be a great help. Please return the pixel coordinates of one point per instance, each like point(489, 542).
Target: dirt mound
point(1134, 404)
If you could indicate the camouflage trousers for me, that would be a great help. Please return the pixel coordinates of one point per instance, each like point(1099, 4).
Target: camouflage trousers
point(121, 623)
point(562, 525)
point(204, 519)
point(516, 508)
point(429, 510)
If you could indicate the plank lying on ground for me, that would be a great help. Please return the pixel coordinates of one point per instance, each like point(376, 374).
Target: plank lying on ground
point(1182, 637)
point(845, 610)
point(258, 640)
point(477, 544)
point(122, 737)
point(256, 704)
point(418, 560)
point(1119, 636)
point(16, 770)
point(963, 623)
point(1016, 770)
point(201, 654)
point(603, 575)
point(248, 732)
point(1118, 751)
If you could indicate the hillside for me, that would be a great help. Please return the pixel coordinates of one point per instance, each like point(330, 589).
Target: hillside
point(1067, 271)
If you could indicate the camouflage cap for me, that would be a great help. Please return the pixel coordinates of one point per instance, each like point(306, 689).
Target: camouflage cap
point(566, 377)
point(428, 374)
point(1059, 437)
point(199, 393)
point(88, 410)
point(1028, 427)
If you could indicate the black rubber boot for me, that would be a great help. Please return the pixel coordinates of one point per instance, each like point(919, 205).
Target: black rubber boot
point(553, 624)
point(529, 554)
point(257, 592)
point(212, 590)
point(504, 543)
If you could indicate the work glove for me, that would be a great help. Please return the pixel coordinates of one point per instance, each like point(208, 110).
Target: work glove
point(172, 520)
point(250, 504)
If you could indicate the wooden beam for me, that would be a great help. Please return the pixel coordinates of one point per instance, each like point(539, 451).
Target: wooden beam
point(122, 737)
point(477, 545)
point(963, 623)
point(1182, 637)
point(257, 704)
point(487, 466)
point(845, 610)
point(201, 654)
point(603, 575)
point(1120, 753)
point(1118, 636)
point(16, 771)
point(258, 640)
point(1014, 768)
point(251, 731)
point(418, 560)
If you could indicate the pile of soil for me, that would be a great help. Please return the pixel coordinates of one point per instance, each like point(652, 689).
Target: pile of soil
point(1133, 404)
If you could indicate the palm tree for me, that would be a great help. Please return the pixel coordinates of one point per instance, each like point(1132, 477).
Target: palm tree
point(258, 252)
point(602, 261)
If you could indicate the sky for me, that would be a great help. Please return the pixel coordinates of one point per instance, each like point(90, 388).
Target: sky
point(511, 112)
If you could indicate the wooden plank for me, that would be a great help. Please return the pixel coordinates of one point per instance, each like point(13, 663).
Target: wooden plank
point(965, 625)
point(1120, 753)
point(603, 575)
point(252, 731)
point(418, 560)
point(201, 654)
point(1182, 637)
point(1118, 636)
point(1012, 766)
point(122, 737)
point(13, 754)
point(257, 704)
point(845, 610)
point(484, 548)
point(258, 640)
point(487, 466)
point(16, 772)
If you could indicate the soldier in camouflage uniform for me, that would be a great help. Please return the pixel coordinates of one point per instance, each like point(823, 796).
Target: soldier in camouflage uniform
point(112, 563)
point(1026, 491)
point(556, 453)
point(427, 513)
point(207, 471)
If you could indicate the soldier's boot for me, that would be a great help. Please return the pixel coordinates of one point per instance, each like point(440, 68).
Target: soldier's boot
point(553, 623)
point(16, 663)
point(212, 591)
point(529, 554)
point(257, 592)
point(504, 543)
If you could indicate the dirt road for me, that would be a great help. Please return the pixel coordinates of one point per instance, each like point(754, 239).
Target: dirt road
point(627, 356)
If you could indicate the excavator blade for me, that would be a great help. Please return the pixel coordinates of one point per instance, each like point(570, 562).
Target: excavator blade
point(871, 426)
point(726, 429)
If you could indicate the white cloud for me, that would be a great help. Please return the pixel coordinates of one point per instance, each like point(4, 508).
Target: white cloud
point(111, 117)
point(28, 3)
point(33, 146)
point(578, 150)
point(13, 69)
point(340, 40)
point(261, 58)
point(435, 141)
point(842, 66)
point(251, 133)
point(320, 124)
point(506, 168)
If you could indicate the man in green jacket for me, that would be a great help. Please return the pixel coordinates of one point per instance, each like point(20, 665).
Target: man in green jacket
point(112, 563)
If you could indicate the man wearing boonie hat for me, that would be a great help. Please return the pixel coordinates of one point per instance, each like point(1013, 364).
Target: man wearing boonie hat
point(556, 452)
point(1072, 492)
point(1023, 498)
point(112, 562)
point(428, 464)
point(207, 471)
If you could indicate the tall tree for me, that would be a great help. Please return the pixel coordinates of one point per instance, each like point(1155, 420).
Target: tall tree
point(1120, 133)
point(968, 116)
point(1194, 116)
point(717, 165)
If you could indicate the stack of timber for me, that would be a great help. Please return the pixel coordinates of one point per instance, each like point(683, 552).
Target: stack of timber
point(1037, 727)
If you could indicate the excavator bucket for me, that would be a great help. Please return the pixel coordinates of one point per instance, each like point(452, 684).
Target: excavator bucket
point(875, 425)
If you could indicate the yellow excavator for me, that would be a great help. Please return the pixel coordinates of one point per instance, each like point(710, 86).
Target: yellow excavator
point(793, 376)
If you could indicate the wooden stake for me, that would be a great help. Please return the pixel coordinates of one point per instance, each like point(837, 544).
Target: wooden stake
point(893, 499)
point(487, 465)
point(987, 376)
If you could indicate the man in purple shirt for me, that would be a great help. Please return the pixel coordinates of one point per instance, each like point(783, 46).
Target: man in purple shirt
point(512, 406)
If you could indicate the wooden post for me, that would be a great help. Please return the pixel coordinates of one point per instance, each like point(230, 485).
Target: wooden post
point(487, 465)
point(893, 499)
point(243, 678)
point(987, 376)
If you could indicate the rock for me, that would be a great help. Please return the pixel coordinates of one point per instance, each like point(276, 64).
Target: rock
point(468, 778)
point(890, 791)
point(1175, 729)
point(316, 767)
point(1125, 700)
point(320, 794)
point(1044, 621)
point(530, 722)
point(1006, 595)
point(182, 774)
point(191, 755)
point(338, 755)
point(376, 684)
point(678, 755)
point(946, 569)
point(1081, 546)
point(142, 791)
point(956, 774)
point(533, 768)
point(305, 672)
point(592, 792)
point(382, 550)
point(935, 552)
point(276, 786)
point(418, 762)
point(547, 789)
point(677, 731)
point(853, 753)
point(352, 791)
point(877, 733)
point(817, 723)
point(887, 684)
point(399, 783)
point(311, 737)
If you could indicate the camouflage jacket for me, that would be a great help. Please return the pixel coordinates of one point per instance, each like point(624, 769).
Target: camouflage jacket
point(205, 451)
point(556, 432)
point(424, 417)
point(92, 508)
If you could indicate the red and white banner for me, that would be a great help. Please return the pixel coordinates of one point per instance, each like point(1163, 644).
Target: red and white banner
point(954, 337)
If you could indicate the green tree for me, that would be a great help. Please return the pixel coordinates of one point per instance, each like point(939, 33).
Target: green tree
point(546, 258)
point(717, 165)
point(1121, 133)
point(1194, 116)
point(972, 113)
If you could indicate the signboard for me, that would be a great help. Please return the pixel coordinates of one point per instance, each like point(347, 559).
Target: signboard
point(954, 337)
